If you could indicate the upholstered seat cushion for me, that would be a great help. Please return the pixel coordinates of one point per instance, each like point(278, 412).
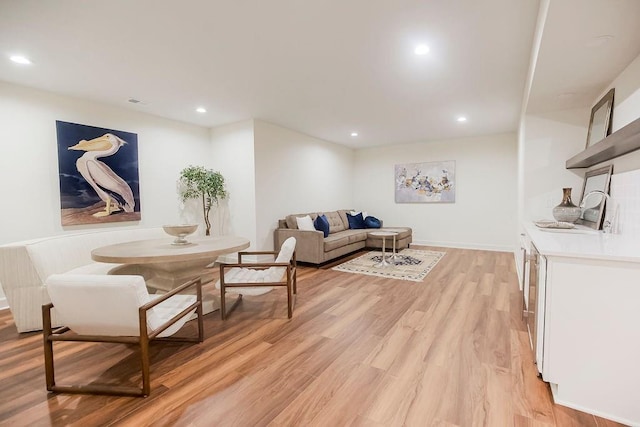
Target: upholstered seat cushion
point(343, 238)
point(250, 275)
point(253, 275)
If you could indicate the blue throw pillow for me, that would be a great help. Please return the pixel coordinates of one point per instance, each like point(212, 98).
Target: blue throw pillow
point(355, 221)
point(322, 224)
point(372, 222)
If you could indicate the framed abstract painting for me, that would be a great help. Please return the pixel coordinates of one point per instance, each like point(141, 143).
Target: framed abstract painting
point(431, 182)
point(98, 170)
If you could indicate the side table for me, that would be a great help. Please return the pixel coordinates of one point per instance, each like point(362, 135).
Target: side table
point(384, 234)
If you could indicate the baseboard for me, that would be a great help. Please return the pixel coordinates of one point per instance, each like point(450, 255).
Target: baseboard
point(482, 247)
point(3, 303)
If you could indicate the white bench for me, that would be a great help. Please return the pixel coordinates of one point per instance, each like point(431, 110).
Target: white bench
point(24, 267)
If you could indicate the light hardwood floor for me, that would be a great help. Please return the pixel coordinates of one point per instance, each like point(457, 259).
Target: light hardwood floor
point(359, 351)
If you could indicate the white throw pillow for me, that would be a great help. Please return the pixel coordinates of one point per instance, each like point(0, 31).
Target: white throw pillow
point(364, 214)
point(305, 223)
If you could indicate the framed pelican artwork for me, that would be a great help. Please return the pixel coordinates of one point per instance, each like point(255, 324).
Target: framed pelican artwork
point(99, 180)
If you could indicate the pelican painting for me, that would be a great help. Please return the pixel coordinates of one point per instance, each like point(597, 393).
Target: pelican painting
point(98, 174)
point(112, 189)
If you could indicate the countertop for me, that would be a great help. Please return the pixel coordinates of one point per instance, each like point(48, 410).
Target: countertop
point(589, 244)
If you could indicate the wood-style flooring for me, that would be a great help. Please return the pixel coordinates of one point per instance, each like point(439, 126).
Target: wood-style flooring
point(359, 351)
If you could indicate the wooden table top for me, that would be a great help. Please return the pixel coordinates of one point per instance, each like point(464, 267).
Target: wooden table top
point(161, 250)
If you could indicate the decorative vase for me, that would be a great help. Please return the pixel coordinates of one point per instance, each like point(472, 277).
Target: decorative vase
point(566, 211)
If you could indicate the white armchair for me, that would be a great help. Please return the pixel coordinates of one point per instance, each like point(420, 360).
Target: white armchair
point(259, 278)
point(115, 309)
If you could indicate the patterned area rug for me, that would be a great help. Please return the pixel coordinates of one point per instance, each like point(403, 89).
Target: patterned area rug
point(411, 264)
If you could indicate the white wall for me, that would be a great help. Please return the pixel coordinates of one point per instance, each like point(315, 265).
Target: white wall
point(625, 110)
point(297, 173)
point(627, 98)
point(549, 140)
point(484, 215)
point(552, 138)
point(29, 165)
point(625, 182)
point(232, 148)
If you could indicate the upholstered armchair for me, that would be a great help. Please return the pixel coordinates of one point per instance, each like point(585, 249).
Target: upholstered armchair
point(115, 309)
point(251, 278)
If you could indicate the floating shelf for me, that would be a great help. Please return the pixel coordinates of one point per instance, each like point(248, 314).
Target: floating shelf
point(622, 141)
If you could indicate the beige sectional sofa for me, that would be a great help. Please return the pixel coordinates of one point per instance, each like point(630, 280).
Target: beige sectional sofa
point(314, 248)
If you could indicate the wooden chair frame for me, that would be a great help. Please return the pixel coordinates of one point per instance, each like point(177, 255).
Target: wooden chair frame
point(60, 334)
point(291, 281)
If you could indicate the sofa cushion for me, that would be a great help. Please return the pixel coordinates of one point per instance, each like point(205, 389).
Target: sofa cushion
point(364, 213)
point(343, 216)
point(321, 224)
point(343, 238)
point(355, 221)
point(335, 222)
point(335, 241)
point(357, 235)
point(372, 222)
point(293, 223)
point(305, 223)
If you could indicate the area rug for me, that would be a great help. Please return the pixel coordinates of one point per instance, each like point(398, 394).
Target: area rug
point(411, 264)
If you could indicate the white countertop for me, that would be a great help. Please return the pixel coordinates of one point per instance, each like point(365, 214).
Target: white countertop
point(588, 244)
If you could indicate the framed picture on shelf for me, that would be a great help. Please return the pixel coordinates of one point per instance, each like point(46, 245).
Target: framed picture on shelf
point(593, 199)
point(600, 121)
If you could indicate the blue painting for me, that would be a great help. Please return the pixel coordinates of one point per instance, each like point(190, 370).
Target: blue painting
point(99, 180)
point(431, 182)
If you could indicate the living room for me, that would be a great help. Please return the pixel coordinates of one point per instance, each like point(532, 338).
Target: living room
point(505, 176)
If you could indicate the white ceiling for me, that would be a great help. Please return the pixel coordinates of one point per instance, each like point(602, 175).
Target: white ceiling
point(324, 68)
point(576, 63)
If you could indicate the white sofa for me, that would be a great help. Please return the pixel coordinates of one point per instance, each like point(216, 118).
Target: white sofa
point(24, 267)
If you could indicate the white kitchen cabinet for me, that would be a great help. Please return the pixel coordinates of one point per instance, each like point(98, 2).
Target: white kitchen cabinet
point(589, 322)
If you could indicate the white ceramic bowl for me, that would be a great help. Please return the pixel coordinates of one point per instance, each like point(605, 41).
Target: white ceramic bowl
point(180, 232)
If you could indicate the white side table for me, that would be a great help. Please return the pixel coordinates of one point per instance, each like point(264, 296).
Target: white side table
point(384, 234)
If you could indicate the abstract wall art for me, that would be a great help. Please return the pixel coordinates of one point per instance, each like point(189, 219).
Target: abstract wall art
point(431, 182)
point(98, 169)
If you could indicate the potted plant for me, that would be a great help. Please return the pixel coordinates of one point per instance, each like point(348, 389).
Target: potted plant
point(198, 182)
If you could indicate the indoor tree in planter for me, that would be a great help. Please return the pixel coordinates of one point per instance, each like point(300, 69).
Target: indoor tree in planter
point(198, 182)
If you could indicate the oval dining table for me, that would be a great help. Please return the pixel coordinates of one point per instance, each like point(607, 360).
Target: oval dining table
point(166, 266)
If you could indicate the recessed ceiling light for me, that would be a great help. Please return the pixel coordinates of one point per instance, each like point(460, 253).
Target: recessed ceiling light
point(19, 59)
point(421, 49)
point(354, 133)
point(461, 119)
point(201, 110)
